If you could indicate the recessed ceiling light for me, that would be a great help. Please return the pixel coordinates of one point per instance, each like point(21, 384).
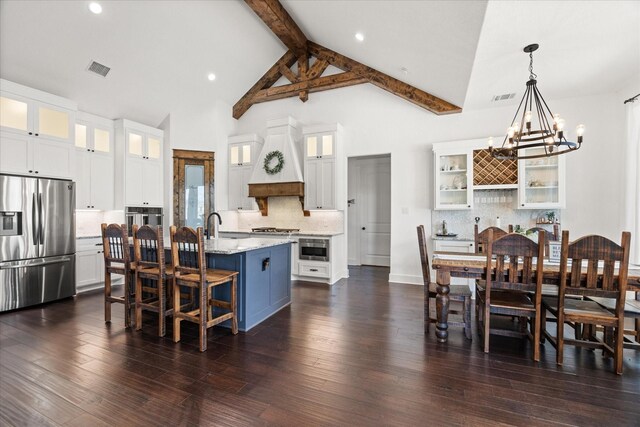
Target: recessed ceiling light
point(211, 77)
point(359, 37)
point(95, 8)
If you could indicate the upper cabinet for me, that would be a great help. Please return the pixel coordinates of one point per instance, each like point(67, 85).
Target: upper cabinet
point(243, 153)
point(139, 167)
point(37, 132)
point(94, 143)
point(541, 181)
point(324, 168)
point(453, 170)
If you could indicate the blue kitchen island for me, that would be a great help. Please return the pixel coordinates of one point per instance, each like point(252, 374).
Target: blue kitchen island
point(264, 282)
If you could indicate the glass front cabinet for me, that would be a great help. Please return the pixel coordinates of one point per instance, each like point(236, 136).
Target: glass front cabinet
point(453, 179)
point(541, 183)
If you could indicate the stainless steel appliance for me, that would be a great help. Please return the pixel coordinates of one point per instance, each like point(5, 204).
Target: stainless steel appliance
point(314, 249)
point(37, 240)
point(143, 216)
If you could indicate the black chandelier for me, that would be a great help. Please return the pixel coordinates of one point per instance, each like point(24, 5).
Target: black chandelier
point(522, 135)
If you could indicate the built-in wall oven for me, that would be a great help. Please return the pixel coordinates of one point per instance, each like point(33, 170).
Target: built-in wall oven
point(314, 249)
point(143, 216)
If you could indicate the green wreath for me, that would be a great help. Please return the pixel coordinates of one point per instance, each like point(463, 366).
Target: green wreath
point(267, 162)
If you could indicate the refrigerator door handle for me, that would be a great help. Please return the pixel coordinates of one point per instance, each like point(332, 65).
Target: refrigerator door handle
point(33, 263)
point(40, 215)
point(33, 222)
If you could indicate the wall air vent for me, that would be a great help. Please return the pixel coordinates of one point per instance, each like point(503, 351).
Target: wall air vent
point(503, 97)
point(99, 69)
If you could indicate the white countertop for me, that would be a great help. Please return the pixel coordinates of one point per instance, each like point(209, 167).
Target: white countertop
point(295, 233)
point(234, 246)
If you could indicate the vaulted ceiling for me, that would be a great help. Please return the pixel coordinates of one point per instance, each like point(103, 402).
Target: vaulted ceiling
point(161, 52)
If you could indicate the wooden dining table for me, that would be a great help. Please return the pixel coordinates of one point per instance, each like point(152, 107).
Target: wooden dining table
point(471, 266)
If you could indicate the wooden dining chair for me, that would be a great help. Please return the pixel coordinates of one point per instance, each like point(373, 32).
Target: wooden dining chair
point(116, 251)
point(457, 293)
point(480, 237)
point(512, 288)
point(190, 270)
point(148, 253)
point(574, 281)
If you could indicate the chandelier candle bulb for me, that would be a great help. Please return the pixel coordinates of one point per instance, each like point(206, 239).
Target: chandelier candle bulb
point(580, 132)
point(490, 142)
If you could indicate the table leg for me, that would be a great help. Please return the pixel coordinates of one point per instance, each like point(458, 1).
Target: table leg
point(443, 279)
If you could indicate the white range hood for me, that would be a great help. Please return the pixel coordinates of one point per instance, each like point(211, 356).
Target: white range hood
point(282, 135)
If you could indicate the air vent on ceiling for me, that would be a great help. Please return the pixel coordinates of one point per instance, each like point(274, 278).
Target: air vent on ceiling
point(503, 97)
point(99, 69)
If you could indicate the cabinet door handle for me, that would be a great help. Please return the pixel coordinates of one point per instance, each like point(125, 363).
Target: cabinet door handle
point(364, 228)
point(313, 269)
point(88, 149)
point(37, 134)
point(36, 171)
point(31, 171)
point(30, 133)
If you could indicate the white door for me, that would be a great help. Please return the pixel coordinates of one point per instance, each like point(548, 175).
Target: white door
point(152, 175)
point(248, 203)
point(134, 179)
point(374, 199)
point(313, 176)
point(327, 184)
point(83, 179)
point(15, 154)
point(102, 186)
point(53, 159)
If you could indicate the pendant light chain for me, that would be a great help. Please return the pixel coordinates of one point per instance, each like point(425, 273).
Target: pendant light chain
point(532, 75)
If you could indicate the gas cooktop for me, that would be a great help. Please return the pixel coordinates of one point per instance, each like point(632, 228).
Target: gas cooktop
point(274, 230)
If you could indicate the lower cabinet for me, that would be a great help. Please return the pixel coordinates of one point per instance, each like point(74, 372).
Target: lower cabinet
point(89, 268)
point(314, 269)
point(461, 246)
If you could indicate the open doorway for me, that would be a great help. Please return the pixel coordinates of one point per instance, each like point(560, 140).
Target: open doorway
point(369, 210)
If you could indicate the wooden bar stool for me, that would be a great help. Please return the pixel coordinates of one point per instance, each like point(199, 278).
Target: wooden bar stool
point(117, 261)
point(148, 253)
point(190, 270)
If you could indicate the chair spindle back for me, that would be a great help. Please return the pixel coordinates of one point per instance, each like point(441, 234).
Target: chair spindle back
point(148, 246)
point(115, 242)
point(187, 250)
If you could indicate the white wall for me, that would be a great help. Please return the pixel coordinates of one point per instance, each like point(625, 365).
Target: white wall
point(377, 122)
point(202, 128)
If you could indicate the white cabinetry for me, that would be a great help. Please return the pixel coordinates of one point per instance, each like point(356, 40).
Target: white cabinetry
point(541, 182)
point(139, 168)
point(324, 168)
point(94, 142)
point(243, 153)
point(37, 132)
point(453, 177)
point(89, 264)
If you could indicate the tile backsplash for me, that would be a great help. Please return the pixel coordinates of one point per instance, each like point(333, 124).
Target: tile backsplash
point(488, 205)
point(88, 222)
point(284, 212)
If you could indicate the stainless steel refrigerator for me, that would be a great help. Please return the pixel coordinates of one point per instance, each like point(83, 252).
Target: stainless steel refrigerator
point(37, 240)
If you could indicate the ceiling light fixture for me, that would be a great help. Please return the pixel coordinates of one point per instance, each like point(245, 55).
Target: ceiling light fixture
point(95, 8)
point(360, 37)
point(548, 133)
point(211, 77)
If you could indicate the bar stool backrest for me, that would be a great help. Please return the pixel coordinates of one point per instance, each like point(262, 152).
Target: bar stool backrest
point(187, 251)
point(115, 241)
point(148, 246)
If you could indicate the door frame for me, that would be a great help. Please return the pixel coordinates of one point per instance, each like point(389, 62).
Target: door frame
point(181, 158)
point(354, 222)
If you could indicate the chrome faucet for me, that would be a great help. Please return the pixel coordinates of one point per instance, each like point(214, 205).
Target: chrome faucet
point(215, 225)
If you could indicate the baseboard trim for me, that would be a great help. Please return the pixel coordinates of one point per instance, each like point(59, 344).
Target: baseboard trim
point(406, 278)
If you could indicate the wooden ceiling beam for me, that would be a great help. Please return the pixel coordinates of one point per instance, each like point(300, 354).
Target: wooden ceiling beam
point(410, 93)
point(267, 80)
point(303, 68)
point(274, 15)
point(319, 84)
point(317, 68)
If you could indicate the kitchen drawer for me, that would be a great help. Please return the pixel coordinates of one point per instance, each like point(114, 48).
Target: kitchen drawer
point(314, 269)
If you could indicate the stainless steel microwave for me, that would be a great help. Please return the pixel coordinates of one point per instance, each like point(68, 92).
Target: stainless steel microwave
point(314, 249)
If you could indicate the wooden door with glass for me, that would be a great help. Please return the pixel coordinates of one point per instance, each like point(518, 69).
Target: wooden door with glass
point(193, 187)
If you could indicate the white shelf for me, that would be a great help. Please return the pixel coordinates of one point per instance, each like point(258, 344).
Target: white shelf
point(543, 188)
point(454, 171)
point(542, 166)
point(454, 190)
point(496, 187)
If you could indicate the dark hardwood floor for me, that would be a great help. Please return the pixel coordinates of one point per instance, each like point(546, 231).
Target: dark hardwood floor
point(351, 354)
